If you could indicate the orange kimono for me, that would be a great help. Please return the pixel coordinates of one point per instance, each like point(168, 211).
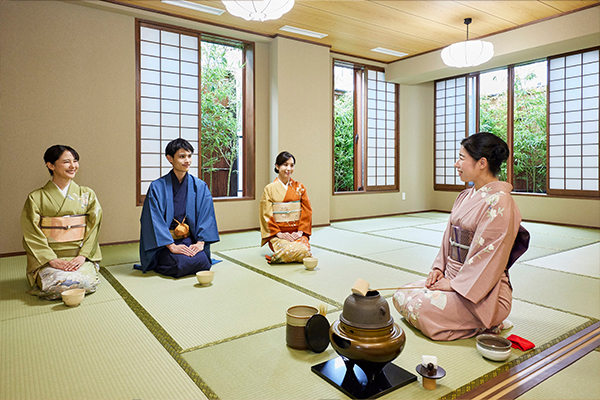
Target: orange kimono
point(474, 254)
point(285, 209)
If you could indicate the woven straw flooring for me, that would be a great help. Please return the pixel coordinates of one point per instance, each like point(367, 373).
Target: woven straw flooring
point(148, 336)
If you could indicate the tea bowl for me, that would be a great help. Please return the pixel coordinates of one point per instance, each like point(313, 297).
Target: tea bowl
point(492, 347)
point(205, 277)
point(310, 263)
point(73, 297)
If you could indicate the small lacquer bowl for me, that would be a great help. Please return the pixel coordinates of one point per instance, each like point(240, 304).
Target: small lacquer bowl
point(310, 263)
point(492, 347)
point(205, 277)
point(73, 297)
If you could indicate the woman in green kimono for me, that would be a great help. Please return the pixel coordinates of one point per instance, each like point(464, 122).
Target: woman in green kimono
point(61, 223)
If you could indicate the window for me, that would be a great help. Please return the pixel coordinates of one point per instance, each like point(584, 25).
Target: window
point(199, 88)
point(365, 129)
point(547, 111)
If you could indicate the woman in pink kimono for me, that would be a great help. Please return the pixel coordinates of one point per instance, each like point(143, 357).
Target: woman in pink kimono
point(285, 215)
point(467, 291)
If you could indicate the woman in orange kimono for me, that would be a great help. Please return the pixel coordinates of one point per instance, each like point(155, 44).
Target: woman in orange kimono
point(285, 214)
point(467, 291)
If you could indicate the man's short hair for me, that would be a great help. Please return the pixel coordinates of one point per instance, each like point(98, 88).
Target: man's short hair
point(175, 145)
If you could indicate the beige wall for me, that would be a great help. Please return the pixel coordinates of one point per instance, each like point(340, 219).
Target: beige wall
point(67, 75)
point(301, 102)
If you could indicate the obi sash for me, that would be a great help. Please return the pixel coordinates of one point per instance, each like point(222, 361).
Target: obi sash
point(287, 211)
point(68, 228)
point(460, 243)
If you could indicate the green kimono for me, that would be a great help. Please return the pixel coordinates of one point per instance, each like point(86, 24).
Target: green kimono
point(49, 202)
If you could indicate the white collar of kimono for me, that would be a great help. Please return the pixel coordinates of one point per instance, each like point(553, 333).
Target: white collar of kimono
point(63, 191)
point(285, 185)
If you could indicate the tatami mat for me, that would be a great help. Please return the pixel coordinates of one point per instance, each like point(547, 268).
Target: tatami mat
point(567, 231)
point(238, 301)
point(237, 241)
point(376, 224)
point(353, 242)
point(579, 381)
point(93, 351)
point(119, 254)
point(278, 372)
point(418, 258)
point(559, 242)
point(232, 333)
point(560, 290)
point(415, 235)
point(583, 260)
point(334, 276)
point(17, 303)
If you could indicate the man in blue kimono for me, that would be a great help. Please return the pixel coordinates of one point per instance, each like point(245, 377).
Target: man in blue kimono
point(178, 222)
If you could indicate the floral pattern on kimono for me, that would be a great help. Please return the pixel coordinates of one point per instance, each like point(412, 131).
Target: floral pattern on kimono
point(285, 251)
point(481, 298)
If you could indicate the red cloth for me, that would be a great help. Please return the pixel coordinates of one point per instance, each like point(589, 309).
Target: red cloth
point(519, 343)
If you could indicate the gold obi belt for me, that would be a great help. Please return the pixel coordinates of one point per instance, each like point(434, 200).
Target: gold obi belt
point(68, 228)
point(287, 211)
point(460, 243)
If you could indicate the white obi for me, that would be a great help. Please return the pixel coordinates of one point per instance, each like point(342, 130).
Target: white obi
point(287, 211)
point(68, 228)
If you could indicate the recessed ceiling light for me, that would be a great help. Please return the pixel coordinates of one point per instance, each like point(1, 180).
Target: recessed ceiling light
point(194, 6)
point(304, 32)
point(389, 52)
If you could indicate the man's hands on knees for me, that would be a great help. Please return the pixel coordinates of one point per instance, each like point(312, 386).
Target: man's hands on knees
point(190, 251)
point(67, 265)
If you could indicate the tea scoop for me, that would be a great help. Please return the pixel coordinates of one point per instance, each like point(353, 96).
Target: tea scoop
point(361, 287)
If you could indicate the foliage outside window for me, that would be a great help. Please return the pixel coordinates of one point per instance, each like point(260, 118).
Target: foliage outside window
point(365, 129)
point(198, 88)
point(528, 138)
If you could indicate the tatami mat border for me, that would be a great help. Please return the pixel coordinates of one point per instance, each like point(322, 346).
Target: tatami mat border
point(505, 367)
point(159, 333)
point(282, 281)
point(370, 260)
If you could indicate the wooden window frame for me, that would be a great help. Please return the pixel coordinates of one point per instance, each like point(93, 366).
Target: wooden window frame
point(582, 194)
point(248, 107)
point(360, 132)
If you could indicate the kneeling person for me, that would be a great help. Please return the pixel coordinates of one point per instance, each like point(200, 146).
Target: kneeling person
point(178, 221)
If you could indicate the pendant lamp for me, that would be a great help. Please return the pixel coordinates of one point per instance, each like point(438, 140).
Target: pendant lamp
point(468, 53)
point(258, 10)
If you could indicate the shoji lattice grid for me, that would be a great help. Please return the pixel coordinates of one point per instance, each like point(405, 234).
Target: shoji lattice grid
point(381, 130)
point(169, 79)
point(450, 127)
point(573, 122)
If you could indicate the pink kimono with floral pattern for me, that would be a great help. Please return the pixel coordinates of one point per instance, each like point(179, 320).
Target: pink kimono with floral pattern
point(482, 296)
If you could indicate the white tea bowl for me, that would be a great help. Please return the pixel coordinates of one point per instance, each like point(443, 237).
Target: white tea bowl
point(73, 297)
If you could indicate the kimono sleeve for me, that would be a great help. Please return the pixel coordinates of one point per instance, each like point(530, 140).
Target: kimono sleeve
point(90, 247)
point(206, 222)
point(267, 228)
point(34, 240)
point(490, 249)
point(305, 223)
point(154, 228)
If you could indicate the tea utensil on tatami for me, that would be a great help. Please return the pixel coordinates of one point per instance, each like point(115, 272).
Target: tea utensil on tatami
point(361, 287)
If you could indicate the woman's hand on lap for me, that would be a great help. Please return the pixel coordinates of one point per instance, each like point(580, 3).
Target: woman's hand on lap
point(443, 285)
point(434, 276)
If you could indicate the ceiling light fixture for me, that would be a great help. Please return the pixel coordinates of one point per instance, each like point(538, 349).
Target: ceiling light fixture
point(258, 10)
point(304, 32)
point(389, 52)
point(194, 6)
point(468, 53)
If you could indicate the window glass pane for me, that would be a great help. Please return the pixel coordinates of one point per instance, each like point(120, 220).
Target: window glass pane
point(493, 87)
point(221, 111)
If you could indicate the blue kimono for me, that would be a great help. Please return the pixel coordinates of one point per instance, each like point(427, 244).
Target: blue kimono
point(157, 217)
